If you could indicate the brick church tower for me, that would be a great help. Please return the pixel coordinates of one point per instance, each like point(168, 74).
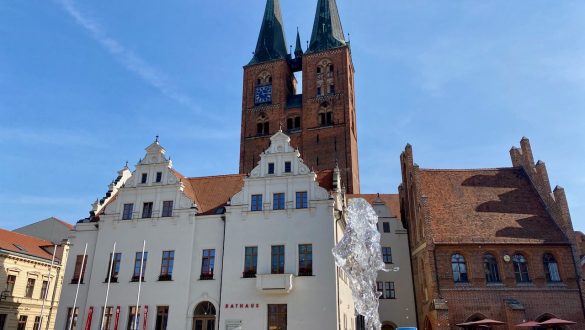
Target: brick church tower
point(320, 119)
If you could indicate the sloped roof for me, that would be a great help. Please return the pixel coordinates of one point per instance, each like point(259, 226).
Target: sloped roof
point(486, 205)
point(392, 201)
point(24, 244)
point(213, 192)
point(327, 30)
point(271, 43)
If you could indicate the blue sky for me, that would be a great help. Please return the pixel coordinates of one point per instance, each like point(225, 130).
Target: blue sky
point(87, 85)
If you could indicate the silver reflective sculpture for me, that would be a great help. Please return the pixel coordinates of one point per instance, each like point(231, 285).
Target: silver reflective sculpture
point(359, 254)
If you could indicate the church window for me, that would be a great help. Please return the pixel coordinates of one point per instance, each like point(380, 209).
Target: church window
point(459, 269)
point(331, 89)
point(293, 123)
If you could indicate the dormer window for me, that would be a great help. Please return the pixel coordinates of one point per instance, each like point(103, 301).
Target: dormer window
point(158, 177)
point(287, 167)
point(270, 168)
point(144, 178)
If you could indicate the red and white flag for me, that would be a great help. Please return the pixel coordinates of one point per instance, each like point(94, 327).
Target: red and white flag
point(145, 317)
point(89, 317)
point(117, 318)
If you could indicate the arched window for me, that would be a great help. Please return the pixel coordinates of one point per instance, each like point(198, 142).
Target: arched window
point(520, 268)
point(262, 126)
point(551, 268)
point(475, 318)
point(264, 78)
point(325, 115)
point(204, 316)
point(325, 82)
point(459, 268)
point(490, 266)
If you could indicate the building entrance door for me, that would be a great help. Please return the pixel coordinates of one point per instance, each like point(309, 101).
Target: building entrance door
point(204, 316)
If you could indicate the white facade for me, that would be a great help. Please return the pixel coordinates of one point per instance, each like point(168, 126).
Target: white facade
point(226, 300)
point(397, 305)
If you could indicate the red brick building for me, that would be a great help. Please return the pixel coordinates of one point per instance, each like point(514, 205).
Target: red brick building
point(320, 119)
point(490, 243)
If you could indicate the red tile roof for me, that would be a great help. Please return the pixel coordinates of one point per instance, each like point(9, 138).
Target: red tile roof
point(486, 205)
point(213, 192)
point(24, 244)
point(392, 201)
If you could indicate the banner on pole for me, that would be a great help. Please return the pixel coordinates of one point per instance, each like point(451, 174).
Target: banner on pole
point(145, 317)
point(89, 317)
point(117, 318)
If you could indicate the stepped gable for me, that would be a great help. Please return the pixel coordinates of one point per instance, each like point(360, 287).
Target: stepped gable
point(392, 201)
point(25, 244)
point(486, 205)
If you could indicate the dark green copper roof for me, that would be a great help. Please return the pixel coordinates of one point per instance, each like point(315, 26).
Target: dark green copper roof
point(298, 47)
point(327, 30)
point(271, 42)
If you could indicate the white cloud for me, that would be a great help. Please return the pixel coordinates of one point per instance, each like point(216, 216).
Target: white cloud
point(131, 61)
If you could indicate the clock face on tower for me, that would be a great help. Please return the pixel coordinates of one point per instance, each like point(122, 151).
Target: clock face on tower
point(263, 94)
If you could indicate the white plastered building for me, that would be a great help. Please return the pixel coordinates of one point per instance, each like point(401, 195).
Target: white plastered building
point(217, 257)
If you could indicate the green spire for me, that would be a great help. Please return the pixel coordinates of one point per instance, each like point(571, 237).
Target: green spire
point(271, 42)
point(327, 30)
point(298, 47)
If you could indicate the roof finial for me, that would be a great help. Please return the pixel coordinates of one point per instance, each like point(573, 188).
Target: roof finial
point(156, 140)
point(126, 166)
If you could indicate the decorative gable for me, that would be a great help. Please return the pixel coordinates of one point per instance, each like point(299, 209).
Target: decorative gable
point(280, 159)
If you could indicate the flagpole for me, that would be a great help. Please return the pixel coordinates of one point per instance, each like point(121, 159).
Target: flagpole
point(48, 286)
point(77, 290)
point(108, 287)
point(136, 324)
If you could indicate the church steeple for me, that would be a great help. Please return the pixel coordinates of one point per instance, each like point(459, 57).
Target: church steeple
point(271, 41)
point(298, 47)
point(327, 30)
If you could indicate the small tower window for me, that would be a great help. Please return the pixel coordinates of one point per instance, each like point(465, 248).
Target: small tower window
point(158, 177)
point(287, 167)
point(143, 178)
point(331, 89)
point(262, 126)
point(270, 168)
point(318, 69)
point(293, 123)
point(330, 67)
point(319, 91)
